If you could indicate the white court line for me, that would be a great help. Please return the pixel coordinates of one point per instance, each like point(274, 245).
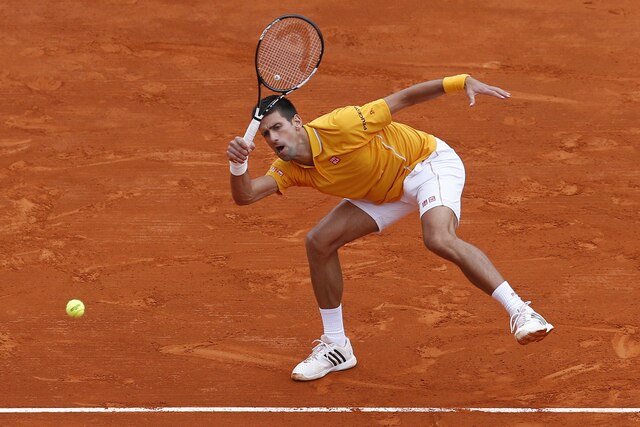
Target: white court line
point(255, 409)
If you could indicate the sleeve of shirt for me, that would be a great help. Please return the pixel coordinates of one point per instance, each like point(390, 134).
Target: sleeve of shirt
point(283, 174)
point(357, 125)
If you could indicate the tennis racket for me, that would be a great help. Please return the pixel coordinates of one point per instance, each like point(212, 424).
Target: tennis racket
point(288, 55)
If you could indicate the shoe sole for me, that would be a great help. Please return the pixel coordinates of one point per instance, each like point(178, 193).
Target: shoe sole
point(346, 365)
point(534, 336)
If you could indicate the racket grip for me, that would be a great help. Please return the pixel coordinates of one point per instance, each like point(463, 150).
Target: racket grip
point(251, 132)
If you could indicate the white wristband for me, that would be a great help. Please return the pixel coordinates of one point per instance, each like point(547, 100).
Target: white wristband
point(238, 169)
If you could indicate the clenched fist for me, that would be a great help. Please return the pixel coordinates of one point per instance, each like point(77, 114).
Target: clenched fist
point(238, 150)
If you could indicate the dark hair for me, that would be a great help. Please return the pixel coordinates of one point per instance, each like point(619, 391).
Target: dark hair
point(284, 106)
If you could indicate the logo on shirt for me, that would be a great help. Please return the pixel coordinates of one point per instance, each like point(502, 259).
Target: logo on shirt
point(335, 160)
point(362, 119)
point(431, 199)
point(276, 170)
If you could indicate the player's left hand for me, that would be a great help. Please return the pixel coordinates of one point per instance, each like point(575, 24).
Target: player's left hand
point(474, 87)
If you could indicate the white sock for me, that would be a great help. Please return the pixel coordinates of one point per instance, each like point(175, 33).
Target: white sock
point(507, 297)
point(332, 323)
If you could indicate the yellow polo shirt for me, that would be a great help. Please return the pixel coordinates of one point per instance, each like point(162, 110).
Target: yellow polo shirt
point(359, 153)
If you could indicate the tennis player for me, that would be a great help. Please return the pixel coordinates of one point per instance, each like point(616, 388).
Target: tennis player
point(384, 170)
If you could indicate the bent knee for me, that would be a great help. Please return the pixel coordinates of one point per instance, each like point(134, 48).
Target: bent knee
point(440, 243)
point(319, 243)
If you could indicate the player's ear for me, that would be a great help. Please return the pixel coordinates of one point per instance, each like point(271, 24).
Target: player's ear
point(296, 121)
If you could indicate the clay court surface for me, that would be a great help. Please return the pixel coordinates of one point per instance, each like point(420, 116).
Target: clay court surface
point(114, 121)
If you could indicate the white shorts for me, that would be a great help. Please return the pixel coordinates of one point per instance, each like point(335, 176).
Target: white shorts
point(436, 181)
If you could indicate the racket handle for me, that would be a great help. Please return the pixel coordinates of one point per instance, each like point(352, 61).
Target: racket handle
point(251, 132)
point(238, 169)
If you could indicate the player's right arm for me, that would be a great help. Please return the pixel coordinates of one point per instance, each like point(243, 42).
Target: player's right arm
point(244, 189)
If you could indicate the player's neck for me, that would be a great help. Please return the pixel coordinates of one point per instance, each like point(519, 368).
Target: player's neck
point(305, 154)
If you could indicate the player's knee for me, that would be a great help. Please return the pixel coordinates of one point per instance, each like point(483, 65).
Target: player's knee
point(317, 243)
point(440, 243)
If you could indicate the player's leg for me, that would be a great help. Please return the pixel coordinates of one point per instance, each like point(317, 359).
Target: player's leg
point(333, 352)
point(348, 221)
point(438, 187)
point(438, 230)
point(439, 234)
point(344, 224)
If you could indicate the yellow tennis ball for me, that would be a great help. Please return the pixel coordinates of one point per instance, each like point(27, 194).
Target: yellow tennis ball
point(75, 308)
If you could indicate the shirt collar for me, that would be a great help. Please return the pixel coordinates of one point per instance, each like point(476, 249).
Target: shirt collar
point(314, 140)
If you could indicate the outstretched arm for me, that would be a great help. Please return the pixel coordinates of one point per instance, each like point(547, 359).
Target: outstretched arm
point(434, 88)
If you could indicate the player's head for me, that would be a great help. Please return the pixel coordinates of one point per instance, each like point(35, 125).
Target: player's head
point(284, 106)
point(281, 127)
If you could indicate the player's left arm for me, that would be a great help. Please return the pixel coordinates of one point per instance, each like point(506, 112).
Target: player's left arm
point(434, 88)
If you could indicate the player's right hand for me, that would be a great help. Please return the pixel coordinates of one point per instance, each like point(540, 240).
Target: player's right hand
point(238, 150)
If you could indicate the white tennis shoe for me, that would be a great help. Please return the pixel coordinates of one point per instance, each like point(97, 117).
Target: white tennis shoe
point(528, 326)
point(324, 358)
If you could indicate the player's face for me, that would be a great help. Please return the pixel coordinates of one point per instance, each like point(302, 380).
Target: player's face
point(281, 134)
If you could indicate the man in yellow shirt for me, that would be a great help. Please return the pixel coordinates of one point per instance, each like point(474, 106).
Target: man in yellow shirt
point(384, 170)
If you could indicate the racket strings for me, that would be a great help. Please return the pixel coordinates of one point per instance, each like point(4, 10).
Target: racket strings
point(289, 53)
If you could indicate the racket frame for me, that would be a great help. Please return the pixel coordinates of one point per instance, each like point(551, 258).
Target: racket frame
point(258, 115)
